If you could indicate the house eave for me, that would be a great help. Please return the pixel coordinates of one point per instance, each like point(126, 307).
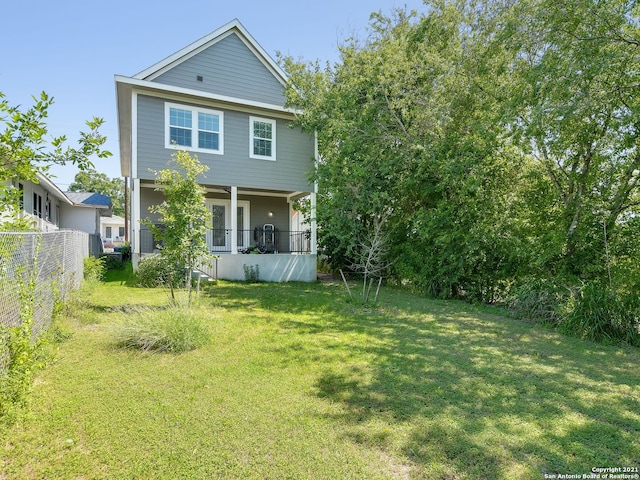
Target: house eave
point(52, 188)
point(126, 85)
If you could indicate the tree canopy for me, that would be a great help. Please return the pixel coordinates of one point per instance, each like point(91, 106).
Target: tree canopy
point(500, 138)
point(90, 180)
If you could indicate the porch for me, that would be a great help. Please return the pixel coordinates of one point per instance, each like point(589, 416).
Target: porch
point(277, 267)
point(260, 240)
point(279, 256)
point(248, 228)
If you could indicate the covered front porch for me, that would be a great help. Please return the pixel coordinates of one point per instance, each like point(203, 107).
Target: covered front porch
point(262, 228)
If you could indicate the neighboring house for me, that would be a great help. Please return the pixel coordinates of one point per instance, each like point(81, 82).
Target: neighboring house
point(50, 209)
point(222, 99)
point(87, 210)
point(112, 229)
point(41, 203)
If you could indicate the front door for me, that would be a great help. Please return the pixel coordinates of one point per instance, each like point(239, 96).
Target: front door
point(219, 235)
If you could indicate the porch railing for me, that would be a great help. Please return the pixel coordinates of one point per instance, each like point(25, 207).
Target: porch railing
point(249, 241)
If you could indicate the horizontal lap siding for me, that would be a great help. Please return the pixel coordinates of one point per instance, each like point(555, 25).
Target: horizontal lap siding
point(228, 68)
point(290, 171)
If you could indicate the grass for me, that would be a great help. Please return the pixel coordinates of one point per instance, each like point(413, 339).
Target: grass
point(175, 329)
point(298, 383)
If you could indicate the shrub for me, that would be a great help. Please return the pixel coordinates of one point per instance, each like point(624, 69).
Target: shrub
point(599, 313)
point(126, 252)
point(174, 330)
point(113, 262)
point(94, 269)
point(155, 271)
point(21, 358)
point(539, 300)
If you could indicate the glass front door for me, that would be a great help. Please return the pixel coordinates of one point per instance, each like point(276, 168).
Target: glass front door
point(219, 236)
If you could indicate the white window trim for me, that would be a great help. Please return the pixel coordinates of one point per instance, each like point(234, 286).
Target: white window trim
point(194, 128)
point(273, 140)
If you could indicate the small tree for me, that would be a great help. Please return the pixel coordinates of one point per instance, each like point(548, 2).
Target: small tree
point(370, 256)
point(183, 216)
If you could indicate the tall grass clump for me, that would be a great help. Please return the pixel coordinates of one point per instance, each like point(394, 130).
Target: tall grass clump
point(539, 300)
point(592, 311)
point(599, 313)
point(175, 330)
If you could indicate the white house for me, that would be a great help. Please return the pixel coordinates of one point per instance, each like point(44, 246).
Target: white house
point(86, 211)
point(112, 229)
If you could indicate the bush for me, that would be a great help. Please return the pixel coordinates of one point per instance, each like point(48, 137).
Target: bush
point(174, 330)
point(94, 269)
point(155, 271)
point(591, 311)
point(599, 313)
point(112, 262)
point(21, 358)
point(539, 300)
point(126, 252)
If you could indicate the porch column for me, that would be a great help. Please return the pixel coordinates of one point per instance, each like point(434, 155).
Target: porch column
point(135, 220)
point(234, 220)
point(314, 236)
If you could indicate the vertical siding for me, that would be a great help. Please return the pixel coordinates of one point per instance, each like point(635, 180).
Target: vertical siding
point(290, 170)
point(229, 68)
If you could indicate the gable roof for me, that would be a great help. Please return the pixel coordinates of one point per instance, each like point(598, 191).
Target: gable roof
point(112, 220)
point(91, 200)
point(143, 82)
point(205, 42)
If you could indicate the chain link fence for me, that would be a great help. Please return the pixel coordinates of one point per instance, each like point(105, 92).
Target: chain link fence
point(47, 266)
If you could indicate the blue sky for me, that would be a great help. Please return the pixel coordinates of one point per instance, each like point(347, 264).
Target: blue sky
point(72, 49)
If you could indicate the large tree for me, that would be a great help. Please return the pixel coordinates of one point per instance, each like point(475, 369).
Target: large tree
point(501, 138)
point(575, 110)
point(404, 127)
point(90, 180)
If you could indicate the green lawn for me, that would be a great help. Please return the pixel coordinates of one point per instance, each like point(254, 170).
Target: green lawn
point(299, 383)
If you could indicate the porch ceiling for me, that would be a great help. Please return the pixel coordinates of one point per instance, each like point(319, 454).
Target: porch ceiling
point(290, 194)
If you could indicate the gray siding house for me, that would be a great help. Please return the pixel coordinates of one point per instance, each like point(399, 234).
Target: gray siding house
point(222, 98)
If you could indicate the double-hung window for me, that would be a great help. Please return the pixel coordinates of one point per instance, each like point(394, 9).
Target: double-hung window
point(262, 141)
point(193, 128)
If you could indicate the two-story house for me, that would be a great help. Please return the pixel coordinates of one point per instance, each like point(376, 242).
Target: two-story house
point(222, 98)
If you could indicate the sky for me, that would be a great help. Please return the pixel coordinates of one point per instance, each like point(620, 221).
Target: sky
point(71, 49)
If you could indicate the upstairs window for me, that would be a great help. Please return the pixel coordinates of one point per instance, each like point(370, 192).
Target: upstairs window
point(194, 129)
point(262, 138)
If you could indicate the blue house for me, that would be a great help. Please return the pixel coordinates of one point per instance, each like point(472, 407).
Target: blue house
point(222, 98)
